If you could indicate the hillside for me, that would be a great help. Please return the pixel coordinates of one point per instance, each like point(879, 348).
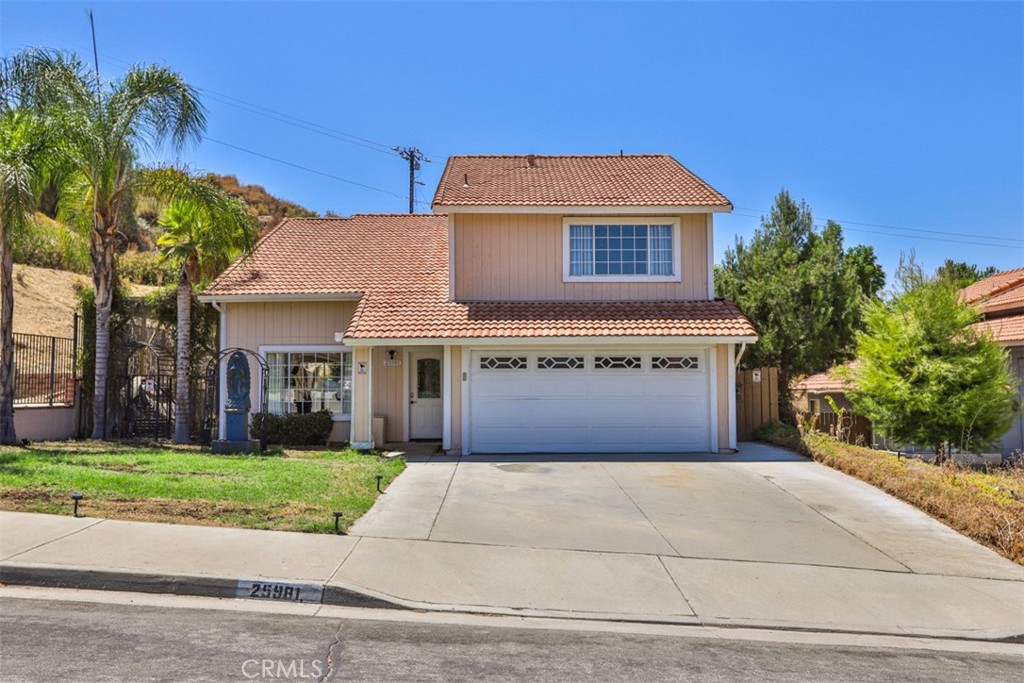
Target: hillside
point(45, 299)
point(271, 210)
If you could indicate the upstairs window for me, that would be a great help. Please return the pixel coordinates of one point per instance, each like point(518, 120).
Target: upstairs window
point(617, 249)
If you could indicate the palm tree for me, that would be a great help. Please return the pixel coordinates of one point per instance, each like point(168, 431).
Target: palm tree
point(104, 127)
point(204, 231)
point(22, 148)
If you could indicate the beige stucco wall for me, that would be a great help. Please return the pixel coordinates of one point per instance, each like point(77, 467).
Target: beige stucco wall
point(307, 323)
point(389, 390)
point(44, 423)
point(725, 394)
point(500, 257)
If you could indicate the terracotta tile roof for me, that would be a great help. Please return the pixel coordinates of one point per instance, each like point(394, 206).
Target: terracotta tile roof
point(1008, 330)
point(399, 263)
point(418, 317)
point(536, 180)
point(344, 255)
point(993, 286)
point(825, 381)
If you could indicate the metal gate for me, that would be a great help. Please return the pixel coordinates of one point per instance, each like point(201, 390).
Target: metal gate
point(141, 400)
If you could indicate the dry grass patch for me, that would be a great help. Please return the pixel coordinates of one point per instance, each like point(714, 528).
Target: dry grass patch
point(985, 505)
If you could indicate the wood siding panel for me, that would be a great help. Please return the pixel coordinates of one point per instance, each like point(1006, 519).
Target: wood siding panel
point(725, 394)
point(251, 325)
point(456, 388)
point(518, 257)
point(388, 391)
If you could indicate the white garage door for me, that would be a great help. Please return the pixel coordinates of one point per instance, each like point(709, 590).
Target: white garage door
point(594, 401)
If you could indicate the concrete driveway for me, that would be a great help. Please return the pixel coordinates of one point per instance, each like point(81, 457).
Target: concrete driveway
point(763, 537)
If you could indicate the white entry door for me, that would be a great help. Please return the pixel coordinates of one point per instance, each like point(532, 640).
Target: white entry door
point(426, 408)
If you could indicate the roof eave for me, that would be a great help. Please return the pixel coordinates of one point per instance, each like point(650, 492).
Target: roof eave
point(596, 340)
point(214, 297)
point(602, 210)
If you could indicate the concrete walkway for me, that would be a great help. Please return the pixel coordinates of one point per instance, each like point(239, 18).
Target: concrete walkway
point(763, 539)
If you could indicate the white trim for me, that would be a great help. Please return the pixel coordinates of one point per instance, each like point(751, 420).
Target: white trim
point(677, 259)
point(684, 340)
point(451, 258)
point(446, 397)
point(223, 378)
point(712, 355)
point(583, 210)
point(369, 393)
point(710, 220)
point(264, 349)
point(294, 296)
point(406, 394)
point(467, 447)
point(732, 396)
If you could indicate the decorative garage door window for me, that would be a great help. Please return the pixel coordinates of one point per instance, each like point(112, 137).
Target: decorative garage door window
point(503, 363)
point(309, 381)
point(617, 362)
point(675, 363)
point(560, 363)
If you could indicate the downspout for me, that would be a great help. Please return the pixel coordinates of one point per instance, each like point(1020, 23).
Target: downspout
point(739, 356)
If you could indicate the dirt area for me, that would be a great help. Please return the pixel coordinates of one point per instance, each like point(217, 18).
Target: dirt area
point(45, 300)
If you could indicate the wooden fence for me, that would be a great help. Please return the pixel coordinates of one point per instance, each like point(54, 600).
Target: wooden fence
point(757, 400)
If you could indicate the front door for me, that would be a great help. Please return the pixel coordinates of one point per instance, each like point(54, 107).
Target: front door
point(426, 409)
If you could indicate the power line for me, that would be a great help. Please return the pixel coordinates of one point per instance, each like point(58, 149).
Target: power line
point(303, 168)
point(819, 224)
point(414, 157)
point(844, 222)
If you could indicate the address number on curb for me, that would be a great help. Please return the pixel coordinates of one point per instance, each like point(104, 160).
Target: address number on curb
point(279, 591)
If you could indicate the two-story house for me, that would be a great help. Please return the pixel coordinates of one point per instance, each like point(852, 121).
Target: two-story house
point(550, 304)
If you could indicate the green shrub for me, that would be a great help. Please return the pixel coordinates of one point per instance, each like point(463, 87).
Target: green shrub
point(49, 244)
point(145, 268)
point(779, 434)
point(295, 429)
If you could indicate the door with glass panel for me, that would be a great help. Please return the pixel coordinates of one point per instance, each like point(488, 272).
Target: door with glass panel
point(426, 409)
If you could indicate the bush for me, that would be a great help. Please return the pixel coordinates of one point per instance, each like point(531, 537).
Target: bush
point(48, 244)
point(779, 434)
point(145, 268)
point(295, 429)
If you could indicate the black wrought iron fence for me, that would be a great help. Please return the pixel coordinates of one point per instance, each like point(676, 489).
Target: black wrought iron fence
point(44, 370)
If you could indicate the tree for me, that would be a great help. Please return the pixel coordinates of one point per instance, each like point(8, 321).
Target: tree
point(962, 274)
point(103, 127)
point(204, 232)
point(801, 290)
point(925, 375)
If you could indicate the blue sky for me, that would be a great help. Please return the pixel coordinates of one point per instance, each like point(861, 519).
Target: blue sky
point(903, 121)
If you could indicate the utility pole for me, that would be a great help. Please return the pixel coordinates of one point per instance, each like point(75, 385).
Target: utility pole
point(413, 156)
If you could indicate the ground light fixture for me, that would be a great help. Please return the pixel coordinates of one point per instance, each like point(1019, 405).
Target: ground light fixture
point(337, 523)
point(76, 496)
point(380, 477)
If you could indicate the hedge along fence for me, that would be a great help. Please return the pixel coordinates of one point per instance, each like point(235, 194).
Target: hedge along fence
point(987, 506)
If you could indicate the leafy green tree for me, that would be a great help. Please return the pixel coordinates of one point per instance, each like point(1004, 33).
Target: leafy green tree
point(801, 289)
point(962, 274)
point(103, 127)
point(204, 232)
point(925, 375)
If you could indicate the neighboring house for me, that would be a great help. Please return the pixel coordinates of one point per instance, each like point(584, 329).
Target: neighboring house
point(1001, 299)
point(810, 396)
point(551, 304)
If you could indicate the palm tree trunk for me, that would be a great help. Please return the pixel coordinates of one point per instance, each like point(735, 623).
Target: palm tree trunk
point(103, 278)
point(182, 413)
point(7, 431)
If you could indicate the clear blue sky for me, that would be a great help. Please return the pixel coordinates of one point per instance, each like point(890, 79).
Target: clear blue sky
point(902, 115)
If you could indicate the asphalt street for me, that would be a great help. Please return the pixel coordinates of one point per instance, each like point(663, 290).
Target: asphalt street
point(65, 640)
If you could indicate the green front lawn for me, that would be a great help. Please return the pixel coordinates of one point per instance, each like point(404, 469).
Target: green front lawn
point(287, 490)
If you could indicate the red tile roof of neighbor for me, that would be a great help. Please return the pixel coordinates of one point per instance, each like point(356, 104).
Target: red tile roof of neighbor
point(399, 264)
point(1001, 288)
point(825, 381)
point(1008, 330)
point(538, 180)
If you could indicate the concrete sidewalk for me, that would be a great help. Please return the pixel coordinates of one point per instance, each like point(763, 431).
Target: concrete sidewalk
point(883, 568)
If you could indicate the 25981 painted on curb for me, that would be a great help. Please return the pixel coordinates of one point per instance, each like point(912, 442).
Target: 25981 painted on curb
point(281, 591)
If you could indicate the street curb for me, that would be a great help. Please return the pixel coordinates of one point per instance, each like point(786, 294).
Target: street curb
point(50, 576)
point(202, 586)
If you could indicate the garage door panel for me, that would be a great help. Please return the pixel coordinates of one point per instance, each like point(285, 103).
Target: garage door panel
point(645, 409)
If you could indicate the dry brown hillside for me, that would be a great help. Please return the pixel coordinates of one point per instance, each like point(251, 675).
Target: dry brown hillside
point(45, 299)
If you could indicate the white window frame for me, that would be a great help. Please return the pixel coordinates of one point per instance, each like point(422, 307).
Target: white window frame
point(677, 260)
point(322, 348)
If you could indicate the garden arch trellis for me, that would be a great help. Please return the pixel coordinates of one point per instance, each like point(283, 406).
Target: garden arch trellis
point(211, 424)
